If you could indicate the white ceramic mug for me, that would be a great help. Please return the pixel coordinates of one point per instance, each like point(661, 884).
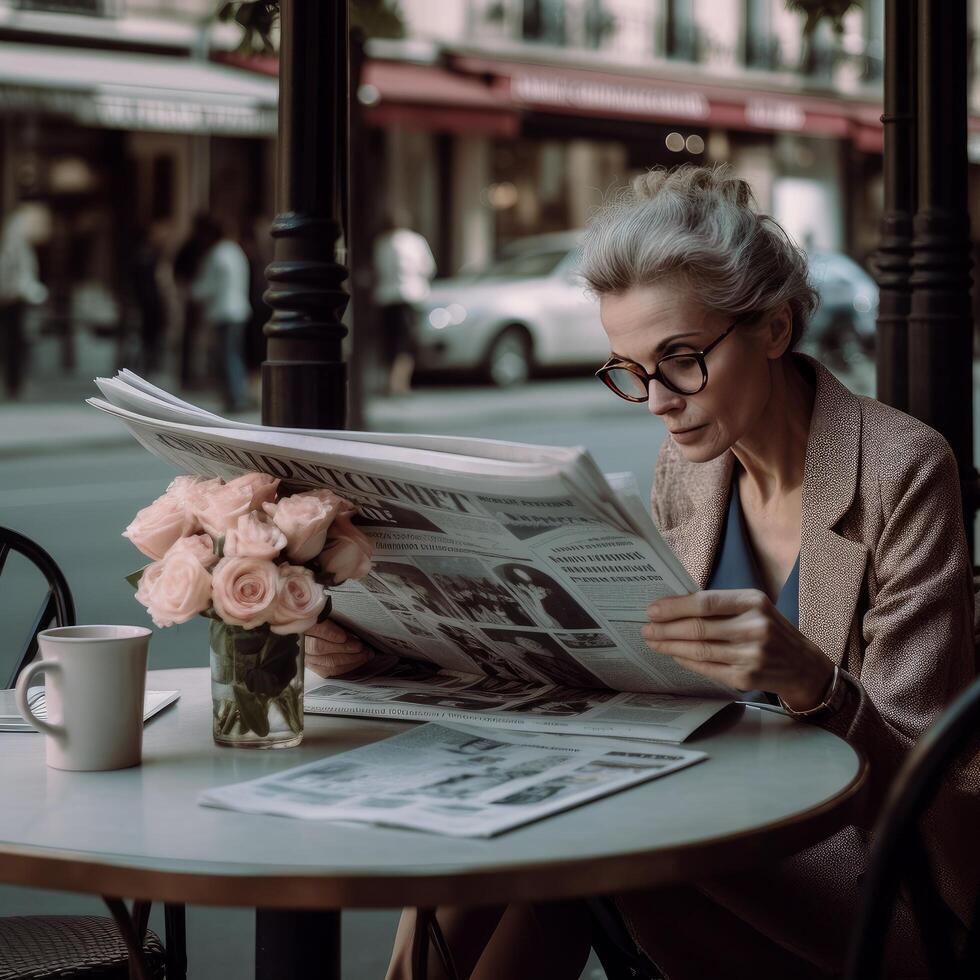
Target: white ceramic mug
point(94, 695)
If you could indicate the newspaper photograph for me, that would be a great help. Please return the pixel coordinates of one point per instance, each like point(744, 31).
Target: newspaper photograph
point(493, 561)
point(391, 687)
point(454, 780)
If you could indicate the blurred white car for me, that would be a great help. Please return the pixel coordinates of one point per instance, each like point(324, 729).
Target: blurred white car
point(527, 310)
point(843, 325)
point(530, 310)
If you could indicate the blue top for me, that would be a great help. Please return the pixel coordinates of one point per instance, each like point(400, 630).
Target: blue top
point(737, 567)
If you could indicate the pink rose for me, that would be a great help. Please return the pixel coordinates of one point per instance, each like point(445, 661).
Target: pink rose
point(176, 589)
point(201, 546)
point(191, 490)
point(305, 519)
point(254, 537)
point(220, 509)
point(245, 590)
point(301, 600)
point(156, 527)
point(262, 486)
point(348, 552)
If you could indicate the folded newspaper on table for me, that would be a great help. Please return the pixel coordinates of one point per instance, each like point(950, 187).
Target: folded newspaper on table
point(12, 721)
point(454, 779)
point(510, 581)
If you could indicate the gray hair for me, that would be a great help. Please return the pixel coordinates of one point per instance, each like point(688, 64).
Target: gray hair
point(697, 227)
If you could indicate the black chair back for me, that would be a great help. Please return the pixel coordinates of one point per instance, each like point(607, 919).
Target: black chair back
point(614, 945)
point(898, 857)
point(57, 607)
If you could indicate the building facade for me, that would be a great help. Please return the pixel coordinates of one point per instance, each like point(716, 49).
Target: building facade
point(116, 119)
point(587, 93)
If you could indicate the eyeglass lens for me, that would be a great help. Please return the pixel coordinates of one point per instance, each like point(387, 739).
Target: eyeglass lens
point(680, 372)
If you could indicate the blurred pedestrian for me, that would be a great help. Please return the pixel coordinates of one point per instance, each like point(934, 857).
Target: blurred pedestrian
point(187, 264)
point(20, 285)
point(144, 267)
point(403, 267)
point(222, 288)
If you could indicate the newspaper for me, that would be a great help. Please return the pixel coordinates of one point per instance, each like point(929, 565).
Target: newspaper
point(454, 780)
point(509, 584)
point(11, 719)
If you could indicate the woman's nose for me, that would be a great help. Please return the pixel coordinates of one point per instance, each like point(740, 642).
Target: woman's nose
point(661, 399)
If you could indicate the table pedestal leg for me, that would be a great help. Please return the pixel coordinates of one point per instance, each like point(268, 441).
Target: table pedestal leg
point(294, 944)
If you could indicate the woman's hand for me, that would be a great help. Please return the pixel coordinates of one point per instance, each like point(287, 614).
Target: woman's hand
point(738, 637)
point(331, 650)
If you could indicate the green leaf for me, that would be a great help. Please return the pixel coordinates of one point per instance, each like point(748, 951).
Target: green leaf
point(278, 664)
point(289, 704)
point(134, 577)
point(253, 709)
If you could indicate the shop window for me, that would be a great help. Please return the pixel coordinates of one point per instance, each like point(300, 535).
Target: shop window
point(820, 52)
point(874, 41)
point(544, 20)
point(599, 24)
point(99, 8)
point(681, 35)
point(760, 47)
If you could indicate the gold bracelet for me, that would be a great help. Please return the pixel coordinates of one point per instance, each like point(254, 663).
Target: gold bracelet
point(825, 704)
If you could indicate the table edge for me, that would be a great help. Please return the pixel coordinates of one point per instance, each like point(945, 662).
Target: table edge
point(75, 871)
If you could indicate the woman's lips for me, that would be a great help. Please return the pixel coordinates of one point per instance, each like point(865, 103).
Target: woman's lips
point(687, 435)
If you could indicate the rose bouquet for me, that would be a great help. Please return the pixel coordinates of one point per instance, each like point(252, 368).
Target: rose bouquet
point(258, 565)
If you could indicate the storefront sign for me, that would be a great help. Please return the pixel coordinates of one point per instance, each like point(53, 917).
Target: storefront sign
point(125, 112)
point(774, 114)
point(134, 113)
point(624, 99)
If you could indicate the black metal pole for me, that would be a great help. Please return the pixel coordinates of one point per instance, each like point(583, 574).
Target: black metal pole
point(893, 258)
point(940, 319)
point(304, 381)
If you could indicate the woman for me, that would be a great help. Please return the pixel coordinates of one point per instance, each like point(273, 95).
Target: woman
point(825, 532)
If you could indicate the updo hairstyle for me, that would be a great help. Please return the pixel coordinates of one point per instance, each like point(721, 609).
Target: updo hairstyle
point(696, 227)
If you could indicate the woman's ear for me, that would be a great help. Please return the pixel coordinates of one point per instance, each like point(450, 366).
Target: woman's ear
point(777, 331)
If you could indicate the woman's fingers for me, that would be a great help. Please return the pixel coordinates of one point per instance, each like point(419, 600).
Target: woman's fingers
point(335, 664)
point(711, 602)
point(329, 631)
point(344, 643)
point(722, 653)
point(698, 629)
point(331, 650)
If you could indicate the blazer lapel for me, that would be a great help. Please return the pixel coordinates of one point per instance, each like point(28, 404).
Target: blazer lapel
point(832, 567)
point(696, 540)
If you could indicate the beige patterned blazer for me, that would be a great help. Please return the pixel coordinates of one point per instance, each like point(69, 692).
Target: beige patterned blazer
point(885, 582)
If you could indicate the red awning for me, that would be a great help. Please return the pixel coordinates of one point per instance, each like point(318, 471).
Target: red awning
point(571, 91)
point(401, 93)
point(432, 97)
point(486, 96)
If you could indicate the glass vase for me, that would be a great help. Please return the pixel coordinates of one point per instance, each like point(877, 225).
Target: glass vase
point(256, 686)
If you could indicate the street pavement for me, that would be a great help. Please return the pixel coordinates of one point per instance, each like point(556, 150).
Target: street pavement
point(65, 423)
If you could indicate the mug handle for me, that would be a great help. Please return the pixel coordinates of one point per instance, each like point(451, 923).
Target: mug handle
point(26, 676)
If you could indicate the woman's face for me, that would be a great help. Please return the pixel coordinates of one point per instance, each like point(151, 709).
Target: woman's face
point(647, 322)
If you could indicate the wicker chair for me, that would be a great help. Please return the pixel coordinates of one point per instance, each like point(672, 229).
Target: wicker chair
point(81, 947)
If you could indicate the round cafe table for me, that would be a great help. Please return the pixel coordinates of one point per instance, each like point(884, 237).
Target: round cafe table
point(770, 786)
